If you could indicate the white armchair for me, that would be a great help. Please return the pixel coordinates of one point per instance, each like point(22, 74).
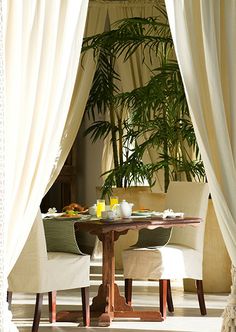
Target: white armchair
point(182, 256)
point(38, 271)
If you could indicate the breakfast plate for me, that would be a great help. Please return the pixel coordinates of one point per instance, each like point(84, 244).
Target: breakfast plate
point(142, 213)
point(51, 215)
point(69, 217)
point(84, 211)
point(157, 214)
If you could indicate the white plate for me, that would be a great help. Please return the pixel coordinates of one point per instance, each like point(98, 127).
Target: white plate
point(142, 213)
point(51, 215)
point(157, 214)
point(68, 218)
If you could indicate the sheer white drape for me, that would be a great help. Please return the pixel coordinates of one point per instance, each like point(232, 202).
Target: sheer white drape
point(3, 280)
point(204, 33)
point(42, 50)
point(95, 23)
point(43, 42)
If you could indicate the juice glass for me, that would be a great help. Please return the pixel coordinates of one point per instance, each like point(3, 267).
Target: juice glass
point(113, 201)
point(100, 207)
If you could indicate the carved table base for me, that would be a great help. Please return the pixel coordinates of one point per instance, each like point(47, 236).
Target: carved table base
point(109, 304)
point(99, 309)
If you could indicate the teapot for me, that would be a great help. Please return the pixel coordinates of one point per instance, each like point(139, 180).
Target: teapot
point(123, 210)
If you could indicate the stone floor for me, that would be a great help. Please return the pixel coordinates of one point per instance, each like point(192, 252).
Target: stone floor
point(186, 317)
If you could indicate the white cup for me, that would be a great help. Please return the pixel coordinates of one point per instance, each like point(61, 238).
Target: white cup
point(104, 215)
point(111, 215)
point(108, 215)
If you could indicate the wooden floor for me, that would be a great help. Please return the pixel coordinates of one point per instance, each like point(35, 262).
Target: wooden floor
point(186, 317)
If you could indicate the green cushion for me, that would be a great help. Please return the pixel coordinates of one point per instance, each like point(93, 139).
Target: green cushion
point(60, 236)
point(153, 238)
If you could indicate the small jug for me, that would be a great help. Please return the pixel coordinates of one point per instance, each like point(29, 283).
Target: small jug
point(93, 210)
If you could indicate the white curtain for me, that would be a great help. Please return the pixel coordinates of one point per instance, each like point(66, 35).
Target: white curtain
point(95, 23)
point(204, 34)
point(42, 43)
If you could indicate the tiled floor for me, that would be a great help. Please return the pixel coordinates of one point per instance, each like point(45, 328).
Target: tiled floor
point(186, 317)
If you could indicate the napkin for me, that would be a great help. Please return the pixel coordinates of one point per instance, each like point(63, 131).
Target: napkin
point(171, 214)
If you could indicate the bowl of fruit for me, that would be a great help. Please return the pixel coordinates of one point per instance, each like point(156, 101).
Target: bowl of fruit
point(73, 211)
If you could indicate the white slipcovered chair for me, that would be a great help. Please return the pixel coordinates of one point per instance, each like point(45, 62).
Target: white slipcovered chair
point(38, 271)
point(182, 256)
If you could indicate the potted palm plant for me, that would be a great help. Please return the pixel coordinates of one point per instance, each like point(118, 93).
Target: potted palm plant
point(157, 111)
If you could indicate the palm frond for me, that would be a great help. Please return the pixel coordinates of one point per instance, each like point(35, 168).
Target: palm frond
point(98, 130)
point(158, 110)
point(104, 86)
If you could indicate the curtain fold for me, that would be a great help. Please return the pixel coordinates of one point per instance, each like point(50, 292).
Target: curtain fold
point(96, 20)
point(203, 33)
point(5, 315)
point(42, 44)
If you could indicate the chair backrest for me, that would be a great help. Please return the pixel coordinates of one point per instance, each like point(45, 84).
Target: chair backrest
point(156, 237)
point(30, 273)
point(60, 236)
point(32, 259)
point(150, 200)
point(192, 199)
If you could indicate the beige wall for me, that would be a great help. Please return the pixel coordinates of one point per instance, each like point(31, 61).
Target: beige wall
point(89, 163)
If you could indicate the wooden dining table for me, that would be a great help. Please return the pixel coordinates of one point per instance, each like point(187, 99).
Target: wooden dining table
point(109, 303)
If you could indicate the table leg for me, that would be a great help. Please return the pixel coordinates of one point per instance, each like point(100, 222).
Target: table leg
point(108, 299)
point(108, 303)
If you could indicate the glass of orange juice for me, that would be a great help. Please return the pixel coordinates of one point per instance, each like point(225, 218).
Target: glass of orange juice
point(101, 206)
point(113, 201)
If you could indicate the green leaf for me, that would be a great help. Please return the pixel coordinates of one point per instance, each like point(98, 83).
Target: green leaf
point(98, 130)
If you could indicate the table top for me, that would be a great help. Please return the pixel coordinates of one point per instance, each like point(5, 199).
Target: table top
point(103, 226)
